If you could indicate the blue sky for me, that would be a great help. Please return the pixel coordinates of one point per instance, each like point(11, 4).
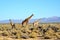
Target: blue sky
point(21, 9)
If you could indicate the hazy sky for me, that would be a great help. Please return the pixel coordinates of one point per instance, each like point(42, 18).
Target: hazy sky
point(21, 9)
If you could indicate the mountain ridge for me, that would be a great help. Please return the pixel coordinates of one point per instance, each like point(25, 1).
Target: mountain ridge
point(42, 20)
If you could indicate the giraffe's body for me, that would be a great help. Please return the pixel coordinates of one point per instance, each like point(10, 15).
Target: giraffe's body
point(36, 23)
point(25, 22)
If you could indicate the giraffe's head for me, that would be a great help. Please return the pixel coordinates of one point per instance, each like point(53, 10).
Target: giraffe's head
point(32, 15)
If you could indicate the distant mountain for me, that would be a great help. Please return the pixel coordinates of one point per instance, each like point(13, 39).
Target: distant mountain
point(50, 19)
point(42, 20)
point(14, 21)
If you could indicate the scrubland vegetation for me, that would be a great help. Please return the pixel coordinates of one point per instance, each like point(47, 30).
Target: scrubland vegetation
point(43, 31)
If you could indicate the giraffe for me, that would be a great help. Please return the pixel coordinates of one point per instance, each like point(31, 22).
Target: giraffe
point(12, 24)
point(25, 22)
point(36, 23)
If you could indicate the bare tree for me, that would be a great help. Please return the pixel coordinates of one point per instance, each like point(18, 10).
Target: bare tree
point(12, 24)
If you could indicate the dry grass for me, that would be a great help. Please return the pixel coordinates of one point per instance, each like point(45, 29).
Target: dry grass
point(29, 32)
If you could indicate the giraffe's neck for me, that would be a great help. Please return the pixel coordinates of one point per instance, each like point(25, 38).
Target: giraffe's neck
point(29, 17)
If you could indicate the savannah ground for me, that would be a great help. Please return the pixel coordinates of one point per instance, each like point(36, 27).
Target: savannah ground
point(30, 32)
